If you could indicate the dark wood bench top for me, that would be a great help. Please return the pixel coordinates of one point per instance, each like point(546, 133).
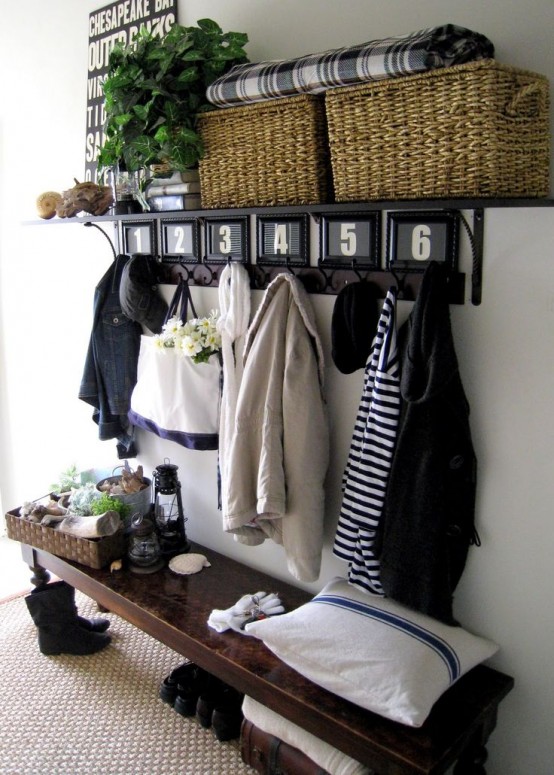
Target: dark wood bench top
point(174, 609)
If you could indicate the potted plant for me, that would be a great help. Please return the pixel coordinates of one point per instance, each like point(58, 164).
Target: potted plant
point(154, 89)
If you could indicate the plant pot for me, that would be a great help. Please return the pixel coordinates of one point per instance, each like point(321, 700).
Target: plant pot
point(139, 502)
point(127, 192)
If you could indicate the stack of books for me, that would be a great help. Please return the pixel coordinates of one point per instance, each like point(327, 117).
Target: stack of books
point(181, 191)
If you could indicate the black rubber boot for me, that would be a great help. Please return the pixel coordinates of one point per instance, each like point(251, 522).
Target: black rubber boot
point(93, 625)
point(53, 611)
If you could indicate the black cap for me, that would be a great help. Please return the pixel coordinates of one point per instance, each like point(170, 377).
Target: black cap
point(353, 325)
point(138, 293)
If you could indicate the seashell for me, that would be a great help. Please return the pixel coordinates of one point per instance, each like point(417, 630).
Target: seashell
point(185, 564)
point(47, 203)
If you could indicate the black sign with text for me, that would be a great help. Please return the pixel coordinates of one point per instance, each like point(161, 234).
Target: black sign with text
point(117, 22)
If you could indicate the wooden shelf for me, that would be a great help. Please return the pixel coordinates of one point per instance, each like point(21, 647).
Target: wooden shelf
point(314, 210)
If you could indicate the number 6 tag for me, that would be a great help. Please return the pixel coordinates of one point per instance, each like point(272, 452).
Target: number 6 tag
point(421, 242)
point(415, 238)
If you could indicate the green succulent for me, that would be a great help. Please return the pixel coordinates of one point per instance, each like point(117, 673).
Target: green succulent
point(82, 499)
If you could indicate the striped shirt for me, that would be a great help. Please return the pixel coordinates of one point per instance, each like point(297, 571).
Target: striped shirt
point(369, 460)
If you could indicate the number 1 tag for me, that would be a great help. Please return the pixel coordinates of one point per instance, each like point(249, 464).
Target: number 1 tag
point(139, 238)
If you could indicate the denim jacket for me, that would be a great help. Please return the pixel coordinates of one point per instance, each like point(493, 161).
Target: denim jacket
point(110, 371)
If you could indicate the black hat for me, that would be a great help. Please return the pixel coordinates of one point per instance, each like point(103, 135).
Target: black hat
point(138, 293)
point(353, 325)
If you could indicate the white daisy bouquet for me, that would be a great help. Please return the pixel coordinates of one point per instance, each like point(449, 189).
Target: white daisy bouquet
point(198, 338)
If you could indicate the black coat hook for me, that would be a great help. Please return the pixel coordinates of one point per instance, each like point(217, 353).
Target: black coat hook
point(400, 283)
point(355, 270)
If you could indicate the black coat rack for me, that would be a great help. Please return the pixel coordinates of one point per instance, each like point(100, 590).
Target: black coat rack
point(200, 267)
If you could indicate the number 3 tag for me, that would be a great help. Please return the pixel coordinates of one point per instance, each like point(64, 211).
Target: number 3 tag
point(227, 239)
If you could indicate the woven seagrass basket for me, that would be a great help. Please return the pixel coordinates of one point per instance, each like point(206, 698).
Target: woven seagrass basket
point(269, 153)
point(474, 130)
point(94, 553)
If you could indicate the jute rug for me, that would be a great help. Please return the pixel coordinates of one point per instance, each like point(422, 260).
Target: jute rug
point(97, 714)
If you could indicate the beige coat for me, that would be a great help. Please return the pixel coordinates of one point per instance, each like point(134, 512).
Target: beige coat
point(279, 452)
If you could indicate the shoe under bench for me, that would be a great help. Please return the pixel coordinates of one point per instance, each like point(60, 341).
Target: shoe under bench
point(174, 609)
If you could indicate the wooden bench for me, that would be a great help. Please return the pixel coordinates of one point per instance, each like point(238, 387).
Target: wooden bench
point(174, 609)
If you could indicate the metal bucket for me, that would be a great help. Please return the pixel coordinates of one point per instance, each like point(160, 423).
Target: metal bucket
point(138, 501)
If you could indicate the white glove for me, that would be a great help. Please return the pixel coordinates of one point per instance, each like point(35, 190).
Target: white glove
point(220, 619)
point(247, 604)
point(248, 607)
point(271, 605)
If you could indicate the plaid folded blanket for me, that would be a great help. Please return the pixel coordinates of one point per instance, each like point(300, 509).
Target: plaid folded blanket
point(315, 73)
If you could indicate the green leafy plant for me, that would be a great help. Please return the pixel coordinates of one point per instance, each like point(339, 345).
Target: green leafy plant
point(154, 90)
point(69, 479)
point(109, 503)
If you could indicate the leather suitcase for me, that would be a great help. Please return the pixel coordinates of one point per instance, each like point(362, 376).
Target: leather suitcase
point(269, 755)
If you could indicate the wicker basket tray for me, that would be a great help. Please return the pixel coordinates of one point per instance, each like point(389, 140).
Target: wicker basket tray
point(268, 153)
point(94, 553)
point(474, 130)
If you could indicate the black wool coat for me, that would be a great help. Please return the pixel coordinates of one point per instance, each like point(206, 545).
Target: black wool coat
point(428, 518)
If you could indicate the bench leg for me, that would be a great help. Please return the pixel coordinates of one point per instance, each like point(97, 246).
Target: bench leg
point(472, 761)
point(40, 575)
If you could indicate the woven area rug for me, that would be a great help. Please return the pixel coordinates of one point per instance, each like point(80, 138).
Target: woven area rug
point(97, 714)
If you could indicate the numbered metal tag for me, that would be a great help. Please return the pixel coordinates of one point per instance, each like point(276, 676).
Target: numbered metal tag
point(139, 237)
point(226, 239)
point(180, 240)
point(283, 239)
point(350, 239)
point(416, 238)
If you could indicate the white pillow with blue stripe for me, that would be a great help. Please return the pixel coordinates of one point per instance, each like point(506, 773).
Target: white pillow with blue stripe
point(373, 651)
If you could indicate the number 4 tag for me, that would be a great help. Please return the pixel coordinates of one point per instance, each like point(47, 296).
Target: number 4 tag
point(280, 240)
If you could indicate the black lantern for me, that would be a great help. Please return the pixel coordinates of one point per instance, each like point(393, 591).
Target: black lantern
point(168, 510)
point(144, 551)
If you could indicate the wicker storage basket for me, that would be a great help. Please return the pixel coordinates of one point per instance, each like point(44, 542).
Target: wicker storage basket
point(269, 153)
point(94, 553)
point(474, 130)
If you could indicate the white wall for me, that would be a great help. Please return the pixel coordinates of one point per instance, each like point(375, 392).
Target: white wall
point(505, 346)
